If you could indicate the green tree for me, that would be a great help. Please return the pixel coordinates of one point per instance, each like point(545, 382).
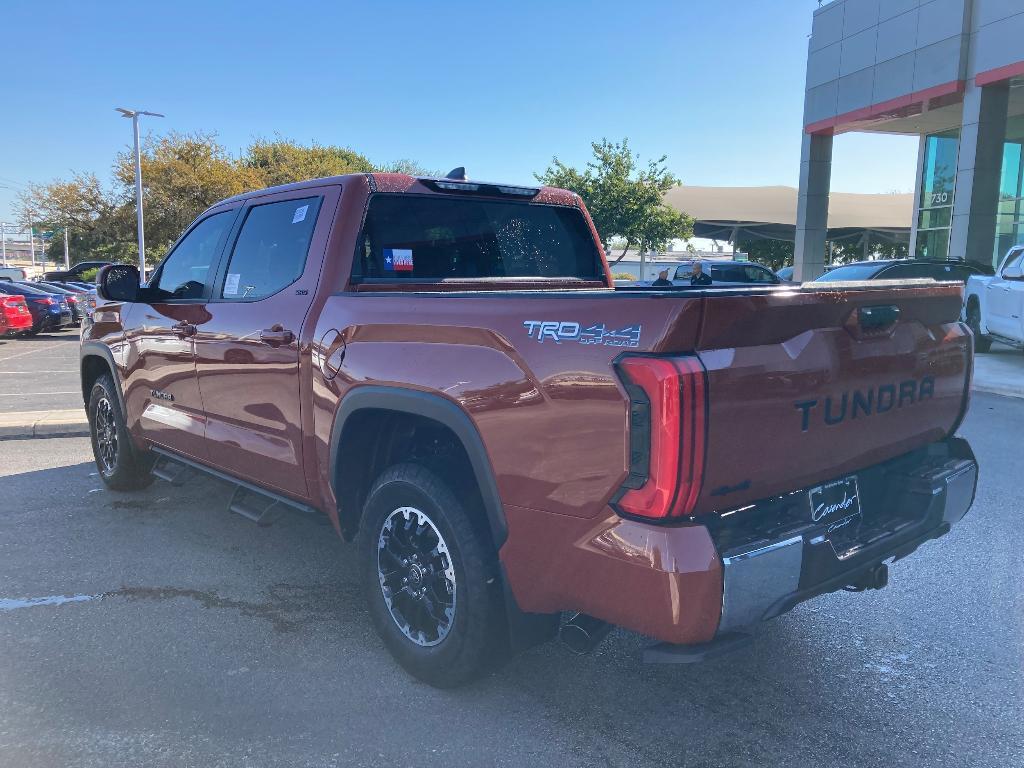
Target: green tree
point(183, 175)
point(282, 161)
point(624, 197)
point(774, 254)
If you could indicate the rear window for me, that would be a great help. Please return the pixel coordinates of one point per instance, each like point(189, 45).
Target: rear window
point(429, 238)
point(850, 272)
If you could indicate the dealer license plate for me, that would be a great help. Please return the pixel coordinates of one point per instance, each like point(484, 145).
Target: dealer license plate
point(835, 501)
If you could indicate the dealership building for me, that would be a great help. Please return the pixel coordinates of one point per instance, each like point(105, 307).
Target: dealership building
point(950, 72)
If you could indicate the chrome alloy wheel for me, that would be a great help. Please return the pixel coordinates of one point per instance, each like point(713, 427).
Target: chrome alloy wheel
point(417, 576)
point(106, 436)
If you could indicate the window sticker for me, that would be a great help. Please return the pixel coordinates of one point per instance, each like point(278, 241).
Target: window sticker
point(398, 259)
point(231, 284)
point(300, 214)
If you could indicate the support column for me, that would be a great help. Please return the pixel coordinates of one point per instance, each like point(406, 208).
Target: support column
point(978, 169)
point(812, 206)
point(918, 184)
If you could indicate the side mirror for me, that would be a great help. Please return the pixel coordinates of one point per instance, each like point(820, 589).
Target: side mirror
point(118, 282)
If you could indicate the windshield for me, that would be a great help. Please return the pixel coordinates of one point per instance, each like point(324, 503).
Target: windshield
point(426, 237)
point(850, 272)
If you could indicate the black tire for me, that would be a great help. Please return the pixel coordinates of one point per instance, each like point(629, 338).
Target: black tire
point(982, 343)
point(121, 466)
point(474, 638)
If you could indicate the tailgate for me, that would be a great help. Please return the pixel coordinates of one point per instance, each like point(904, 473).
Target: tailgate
point(810, 384)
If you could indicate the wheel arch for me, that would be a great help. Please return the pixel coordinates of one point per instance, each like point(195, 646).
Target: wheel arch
point(366, 403)
point(95, 359)
point(974, 300)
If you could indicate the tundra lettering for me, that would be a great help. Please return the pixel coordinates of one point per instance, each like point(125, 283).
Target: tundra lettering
point(880, 399)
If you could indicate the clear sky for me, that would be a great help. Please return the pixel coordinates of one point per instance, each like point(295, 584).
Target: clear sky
point(499, 87)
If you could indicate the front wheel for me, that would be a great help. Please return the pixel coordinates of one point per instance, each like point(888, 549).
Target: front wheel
point(121, 466)
point(982, 343)
point(431, 579)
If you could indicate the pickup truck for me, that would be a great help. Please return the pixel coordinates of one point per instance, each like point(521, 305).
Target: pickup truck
point(443, 368)
point(994, 305)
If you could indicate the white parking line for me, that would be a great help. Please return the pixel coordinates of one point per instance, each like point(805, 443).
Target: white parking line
point(22, 354)
point(28, 394)
point(22, 373)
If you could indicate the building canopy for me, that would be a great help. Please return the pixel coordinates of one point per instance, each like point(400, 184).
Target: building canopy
point(769, 213)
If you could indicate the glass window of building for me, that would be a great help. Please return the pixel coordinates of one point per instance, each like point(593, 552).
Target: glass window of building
point(938, 179)
point(1009, 224)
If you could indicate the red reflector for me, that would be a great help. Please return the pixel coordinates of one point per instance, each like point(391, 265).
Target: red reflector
point(666, 481)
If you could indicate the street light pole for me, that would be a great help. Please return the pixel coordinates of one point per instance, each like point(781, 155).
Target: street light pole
point(31, 242)
point(3, 241)
point(135, 114)
point(67, 261)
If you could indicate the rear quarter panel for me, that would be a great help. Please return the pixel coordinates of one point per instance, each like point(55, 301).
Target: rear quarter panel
point(551, 412)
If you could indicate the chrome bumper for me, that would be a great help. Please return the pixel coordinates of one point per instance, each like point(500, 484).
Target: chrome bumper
point(765, 581)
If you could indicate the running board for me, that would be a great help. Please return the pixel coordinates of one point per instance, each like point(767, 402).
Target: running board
point(170, 470)
point(248, 500)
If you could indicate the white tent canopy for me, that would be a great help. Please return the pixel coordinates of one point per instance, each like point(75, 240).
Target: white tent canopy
point(769, 213)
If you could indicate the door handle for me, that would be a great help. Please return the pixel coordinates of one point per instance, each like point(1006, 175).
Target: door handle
point(276, 335)
point(183, 330)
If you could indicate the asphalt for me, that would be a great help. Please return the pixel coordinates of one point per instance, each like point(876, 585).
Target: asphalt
point(195, 638)
point(40, 373)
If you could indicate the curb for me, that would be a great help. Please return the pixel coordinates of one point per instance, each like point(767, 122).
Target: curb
point(35, 424)
point(997, 390)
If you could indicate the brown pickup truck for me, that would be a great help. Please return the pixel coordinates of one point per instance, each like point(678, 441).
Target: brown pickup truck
point(444, 369)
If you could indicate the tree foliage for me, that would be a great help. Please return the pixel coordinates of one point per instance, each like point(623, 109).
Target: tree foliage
point(776, 254)
point(183, 174)
point(624, 197)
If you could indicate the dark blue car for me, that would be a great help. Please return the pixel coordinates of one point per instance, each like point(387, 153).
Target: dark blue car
point(50, 311)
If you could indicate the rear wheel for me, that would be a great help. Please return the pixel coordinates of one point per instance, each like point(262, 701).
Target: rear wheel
point(121, 466)
point(431, 579)
point(982, 343)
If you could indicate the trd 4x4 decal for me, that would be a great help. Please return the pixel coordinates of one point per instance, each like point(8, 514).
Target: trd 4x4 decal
point(563, 330)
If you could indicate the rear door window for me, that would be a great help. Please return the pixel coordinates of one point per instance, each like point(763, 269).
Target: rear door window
point(432, 238)
point(270, 251)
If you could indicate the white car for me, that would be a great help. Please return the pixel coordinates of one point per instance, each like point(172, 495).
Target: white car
point(994, 306)
point(721, 272)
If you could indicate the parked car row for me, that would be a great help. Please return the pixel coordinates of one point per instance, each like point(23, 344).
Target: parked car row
point(49, 305)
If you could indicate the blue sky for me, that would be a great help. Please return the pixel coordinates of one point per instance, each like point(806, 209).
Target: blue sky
point(499, 87)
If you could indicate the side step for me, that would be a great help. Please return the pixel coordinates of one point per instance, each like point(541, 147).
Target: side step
point(668, 653)
point(170, 470)
point(252, 506)
point(248, 500)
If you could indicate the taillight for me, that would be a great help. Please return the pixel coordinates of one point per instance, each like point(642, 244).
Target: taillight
point(667, 436)
point(46, 302)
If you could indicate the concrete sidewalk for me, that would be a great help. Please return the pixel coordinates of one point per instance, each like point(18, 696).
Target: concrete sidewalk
point(25, 424)
point(1000, 371)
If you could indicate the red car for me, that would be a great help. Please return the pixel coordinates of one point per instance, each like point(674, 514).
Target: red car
point(14, 316)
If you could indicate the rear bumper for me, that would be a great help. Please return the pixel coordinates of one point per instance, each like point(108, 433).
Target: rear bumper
point(761, 580)
point(689, 584)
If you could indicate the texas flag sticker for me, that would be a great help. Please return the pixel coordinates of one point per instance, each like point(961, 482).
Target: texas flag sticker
point(398, 259)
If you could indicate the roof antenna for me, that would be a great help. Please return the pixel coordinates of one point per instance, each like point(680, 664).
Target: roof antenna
point(457, 174)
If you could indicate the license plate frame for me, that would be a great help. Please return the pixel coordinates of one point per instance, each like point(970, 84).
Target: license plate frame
point(835, 502)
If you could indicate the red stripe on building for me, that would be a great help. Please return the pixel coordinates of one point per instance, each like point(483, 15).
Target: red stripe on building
point(902, 106)
point(999, 74)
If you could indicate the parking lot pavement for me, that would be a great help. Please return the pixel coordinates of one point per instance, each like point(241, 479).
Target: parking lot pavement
point(191, 637)
point(40, 373)
point(1000, 371)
